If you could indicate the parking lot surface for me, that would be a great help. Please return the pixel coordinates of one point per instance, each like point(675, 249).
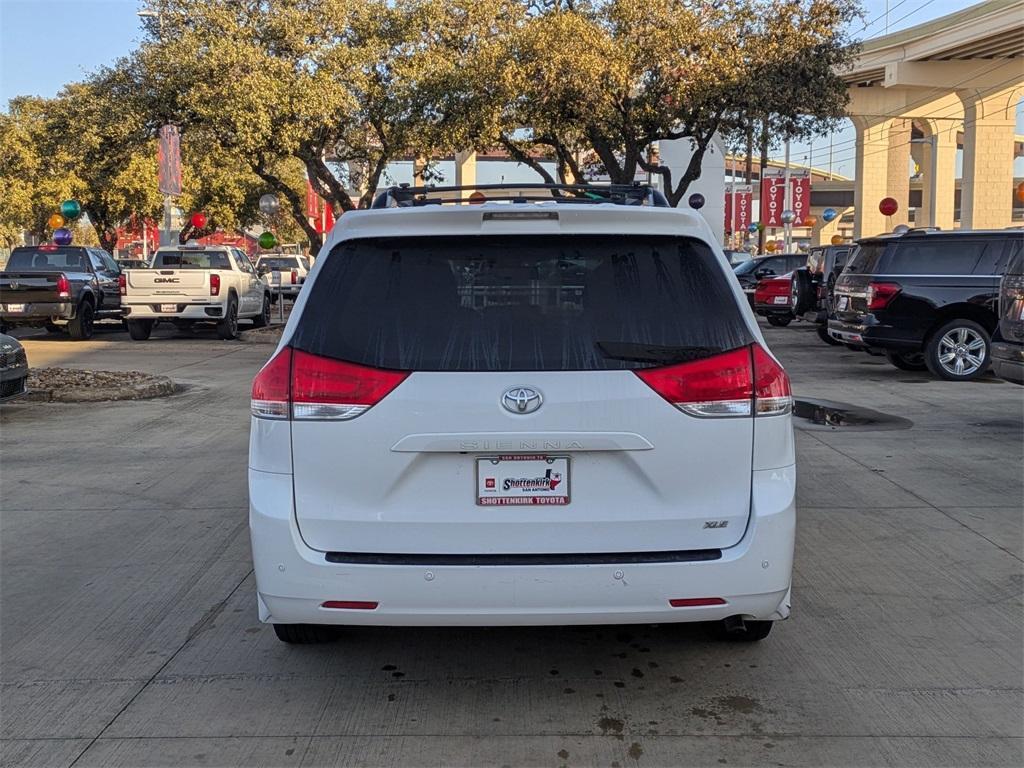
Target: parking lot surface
point(129, 635)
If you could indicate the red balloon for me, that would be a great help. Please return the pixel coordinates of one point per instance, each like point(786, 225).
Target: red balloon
point(198, 220)
point(888, 206)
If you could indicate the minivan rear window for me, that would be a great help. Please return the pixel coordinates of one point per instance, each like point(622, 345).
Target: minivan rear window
point(524, 303)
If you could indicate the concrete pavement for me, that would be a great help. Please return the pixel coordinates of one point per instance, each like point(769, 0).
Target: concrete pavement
point(129, 636)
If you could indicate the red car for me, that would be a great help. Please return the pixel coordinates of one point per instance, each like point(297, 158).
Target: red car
point(773, 299)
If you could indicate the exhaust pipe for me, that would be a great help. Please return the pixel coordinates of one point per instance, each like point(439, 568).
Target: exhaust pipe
point(734, 624)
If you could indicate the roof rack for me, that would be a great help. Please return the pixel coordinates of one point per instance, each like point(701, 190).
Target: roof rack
point(405, 196)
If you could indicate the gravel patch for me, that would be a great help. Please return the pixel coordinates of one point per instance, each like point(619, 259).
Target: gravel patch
point(71, 385)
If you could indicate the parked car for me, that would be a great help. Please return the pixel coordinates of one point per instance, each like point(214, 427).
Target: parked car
point(737, 257)
point(813, 286)
point(192, 284)
point(749, 273)
point(480, 416)
point(293, 271)
point(772, 300)
point(13, 368)
point(927, 299)
point(1008, 345)
point(59, 287)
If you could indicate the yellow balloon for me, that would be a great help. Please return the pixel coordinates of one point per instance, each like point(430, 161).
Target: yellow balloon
point(56, 221)
point(837, 239)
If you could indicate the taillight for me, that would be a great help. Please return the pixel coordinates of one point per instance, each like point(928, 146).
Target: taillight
point(295, 277)
point(880, 294)
point(214, 284)
point(302, 386)
point(63, 287)
point(742, 382)
point(122, 284)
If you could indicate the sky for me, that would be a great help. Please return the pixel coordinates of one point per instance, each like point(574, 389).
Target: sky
point(47, 43)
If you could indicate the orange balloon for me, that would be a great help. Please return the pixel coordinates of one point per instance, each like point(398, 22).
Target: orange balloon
point(56, 221)
point(837, 239)
point(770, 247)
point(810, 221)
point(1020, 192)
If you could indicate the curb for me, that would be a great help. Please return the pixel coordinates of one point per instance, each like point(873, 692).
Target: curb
point(160, 387)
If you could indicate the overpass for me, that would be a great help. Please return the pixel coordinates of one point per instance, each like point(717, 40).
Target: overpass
point(954, 80)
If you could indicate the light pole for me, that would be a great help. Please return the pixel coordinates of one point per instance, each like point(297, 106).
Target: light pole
point(149, 13)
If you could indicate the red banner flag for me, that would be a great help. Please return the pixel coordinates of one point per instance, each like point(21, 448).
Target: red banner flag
point(800, 195)
point(743, 201)
point(773, 197)
point(169, 161)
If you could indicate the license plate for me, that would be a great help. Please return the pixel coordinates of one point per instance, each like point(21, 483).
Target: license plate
point(781, 300)
point(15, 307)
point(168, 307)
point(843, 303)
point(522, 480)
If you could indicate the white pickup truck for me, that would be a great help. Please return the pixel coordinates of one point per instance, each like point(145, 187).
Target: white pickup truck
point(191, 284)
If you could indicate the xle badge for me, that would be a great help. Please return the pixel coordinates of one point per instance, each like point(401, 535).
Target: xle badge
point(716, 523)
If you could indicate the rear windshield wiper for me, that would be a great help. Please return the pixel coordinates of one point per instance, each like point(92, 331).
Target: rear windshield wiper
point(652, 353)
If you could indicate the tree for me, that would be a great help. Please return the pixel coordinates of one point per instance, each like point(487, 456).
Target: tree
point(606, 81)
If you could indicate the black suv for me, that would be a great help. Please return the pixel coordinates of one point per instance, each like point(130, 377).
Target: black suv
point(1008, 344)
point(813, 286)
point(750, 273)
point(926, 298)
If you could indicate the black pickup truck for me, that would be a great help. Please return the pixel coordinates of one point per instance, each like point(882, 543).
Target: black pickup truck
point(927, 298)
point(59, 287)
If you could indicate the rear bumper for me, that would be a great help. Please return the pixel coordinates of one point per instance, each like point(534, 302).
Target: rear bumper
point(1008, 361)
point(773, 309)
point(292, 580)
point(185, 311)
point(38, 313)
point(872, 335)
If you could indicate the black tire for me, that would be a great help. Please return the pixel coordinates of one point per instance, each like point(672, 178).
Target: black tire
point(54, 328)
point(305, 634)
point(139, 330)
point(780, 321)
point(262, 320)
point(228, 327)
point(907, 361)
point(801, 291)
point(958, 351)
point(752, 632)
point(80, 328)
point(823, 335)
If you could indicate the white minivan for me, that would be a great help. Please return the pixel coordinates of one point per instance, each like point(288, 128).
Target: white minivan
point(551, 407)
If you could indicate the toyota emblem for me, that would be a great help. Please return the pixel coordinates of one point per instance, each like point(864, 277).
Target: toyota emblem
point(521, 400)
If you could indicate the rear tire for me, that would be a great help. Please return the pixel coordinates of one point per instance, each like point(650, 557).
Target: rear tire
point(779, 321)
point(80, 328)
point(801, 291)
point(958, 341)
point(907, 361)
point(227, 328)
point(823, 335)
point(262, 320)
point(139, 330)
point(305, 634)
point(752, 632)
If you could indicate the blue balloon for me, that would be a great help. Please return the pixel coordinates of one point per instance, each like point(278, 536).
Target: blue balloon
point(696, 201)
point(62, 236)
point(829, 214)
point(752, 228)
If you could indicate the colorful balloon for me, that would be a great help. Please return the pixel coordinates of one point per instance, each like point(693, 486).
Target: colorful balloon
point(269, 204)
point(56, 221)
point(888, 206)
point(752, 227)
point(267, 240)
point(829, 214)
point(837, 239)
point(770, 246)
point(810, 221)
point(71, 209)
point(198, 220)
point(1020, 192)
point(788, 216)
point(696, 201)
point(62, 236)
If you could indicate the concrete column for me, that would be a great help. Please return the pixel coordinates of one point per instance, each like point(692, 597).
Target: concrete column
point(898, 172)
point(465, 170)
point(986, 195)
point(872, 173)
point(822, 232)
point(939, 180)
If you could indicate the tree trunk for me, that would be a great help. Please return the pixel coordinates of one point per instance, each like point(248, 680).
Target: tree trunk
point(693, 169)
